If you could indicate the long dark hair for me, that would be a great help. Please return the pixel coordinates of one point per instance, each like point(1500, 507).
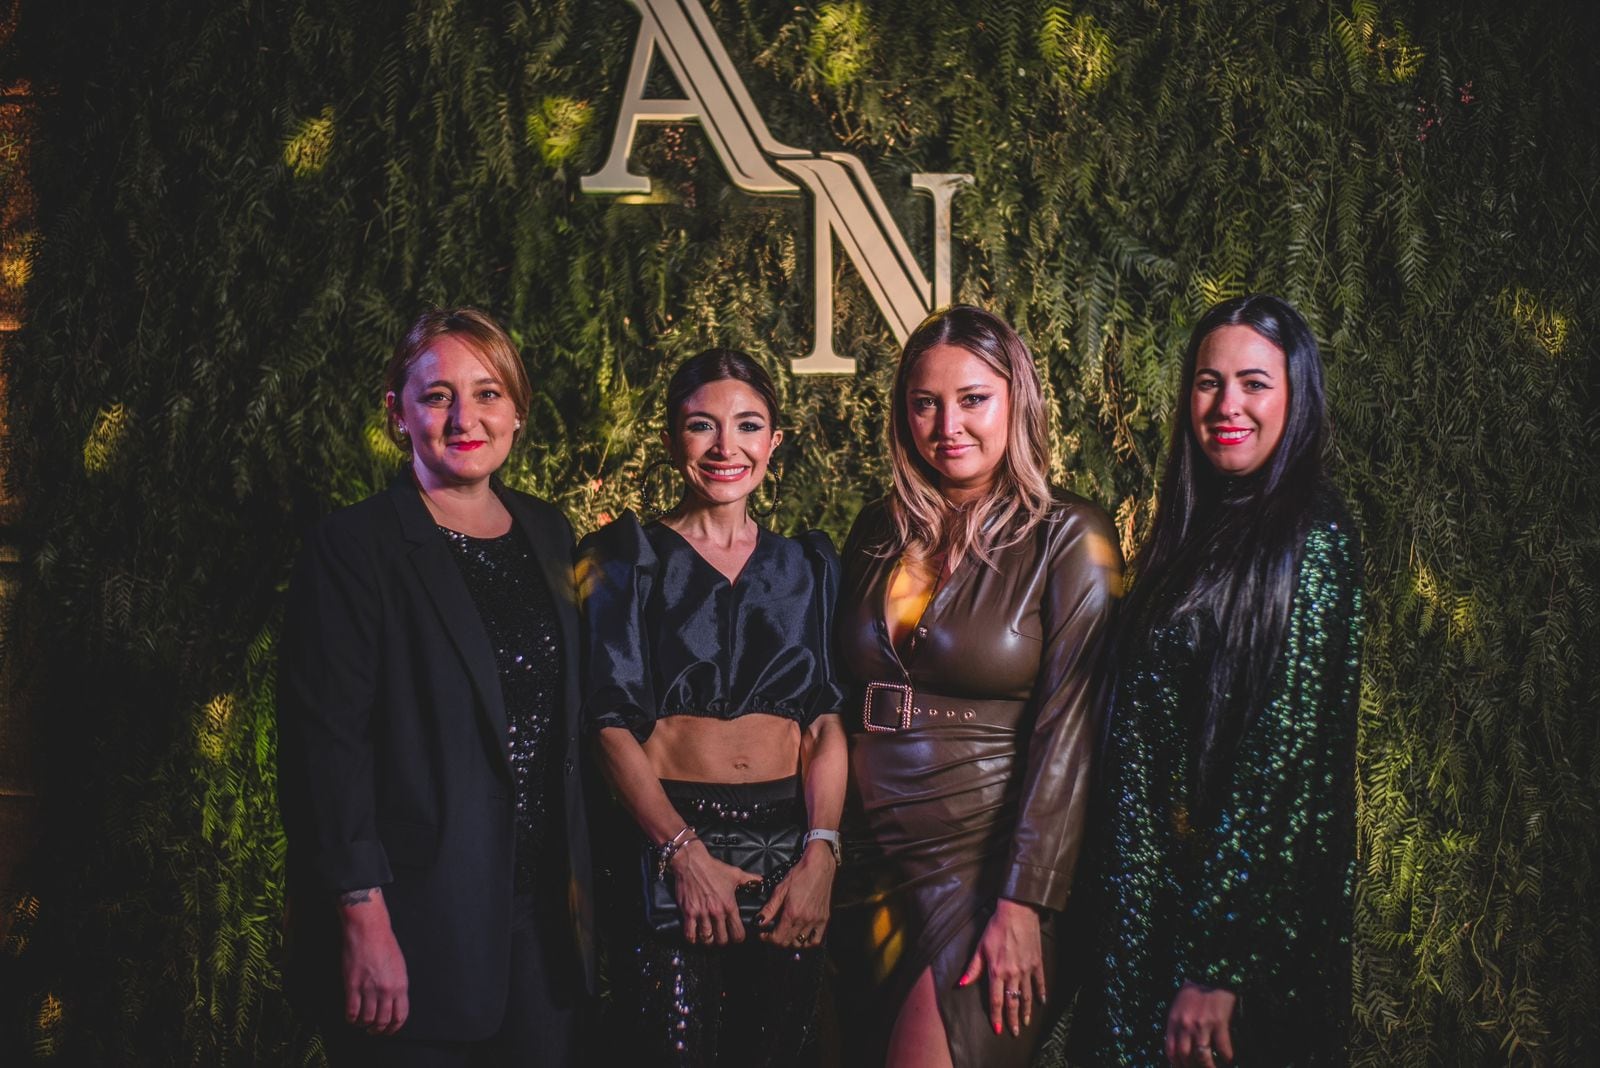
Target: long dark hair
point(1225, 551)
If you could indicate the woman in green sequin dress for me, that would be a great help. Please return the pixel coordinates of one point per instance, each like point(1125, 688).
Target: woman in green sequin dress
point(1223, 869)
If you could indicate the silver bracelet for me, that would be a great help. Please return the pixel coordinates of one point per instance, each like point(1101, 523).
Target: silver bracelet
point(669, 849)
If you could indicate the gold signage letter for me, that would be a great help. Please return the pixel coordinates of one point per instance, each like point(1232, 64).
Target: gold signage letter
point(714, 96)
point(846, 205)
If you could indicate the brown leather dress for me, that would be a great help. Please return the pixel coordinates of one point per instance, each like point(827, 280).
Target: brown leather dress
point(969, 768)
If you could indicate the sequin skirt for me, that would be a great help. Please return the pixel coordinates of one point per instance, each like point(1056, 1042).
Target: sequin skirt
point(757, 803)
point(695, 1006)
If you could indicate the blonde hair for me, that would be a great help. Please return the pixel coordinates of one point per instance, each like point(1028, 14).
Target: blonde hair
point(481, 334)
point(926, 524)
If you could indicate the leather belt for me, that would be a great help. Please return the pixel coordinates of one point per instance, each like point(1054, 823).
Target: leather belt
point(893, 706)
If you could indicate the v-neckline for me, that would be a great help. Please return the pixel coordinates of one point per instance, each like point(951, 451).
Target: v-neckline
point(761, 536)
point(934, 601)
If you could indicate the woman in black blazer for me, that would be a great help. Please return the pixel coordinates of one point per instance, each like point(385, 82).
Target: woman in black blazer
point(439, 873)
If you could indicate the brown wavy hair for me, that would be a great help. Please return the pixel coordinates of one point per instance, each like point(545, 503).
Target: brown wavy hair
point(926, 524)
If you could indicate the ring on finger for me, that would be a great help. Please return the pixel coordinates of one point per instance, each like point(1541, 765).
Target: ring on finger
point(1014, 994)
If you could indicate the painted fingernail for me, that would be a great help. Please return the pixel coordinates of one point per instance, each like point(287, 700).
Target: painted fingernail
point(997, 1029)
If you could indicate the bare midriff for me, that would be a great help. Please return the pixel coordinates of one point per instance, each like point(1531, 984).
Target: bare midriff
point(756, 747)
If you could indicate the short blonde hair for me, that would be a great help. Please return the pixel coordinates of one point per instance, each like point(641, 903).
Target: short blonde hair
point(480, 333)
point(925, 523)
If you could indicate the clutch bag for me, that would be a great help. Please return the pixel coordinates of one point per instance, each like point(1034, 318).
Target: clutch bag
point(766, 853)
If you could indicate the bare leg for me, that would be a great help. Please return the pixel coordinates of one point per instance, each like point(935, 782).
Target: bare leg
point(918, 1039)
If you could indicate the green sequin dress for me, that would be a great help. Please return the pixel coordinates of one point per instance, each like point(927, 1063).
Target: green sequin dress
point(1260, 900)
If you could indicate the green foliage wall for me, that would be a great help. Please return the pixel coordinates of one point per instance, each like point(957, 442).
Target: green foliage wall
point(243, 202)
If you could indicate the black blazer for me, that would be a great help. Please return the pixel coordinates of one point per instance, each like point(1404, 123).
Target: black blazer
point(393, 768)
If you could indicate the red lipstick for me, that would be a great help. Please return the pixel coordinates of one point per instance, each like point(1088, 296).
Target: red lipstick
point(1230, 435)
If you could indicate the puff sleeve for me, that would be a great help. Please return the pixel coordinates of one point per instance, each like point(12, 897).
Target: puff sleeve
point(616, 574)
point(827, 695)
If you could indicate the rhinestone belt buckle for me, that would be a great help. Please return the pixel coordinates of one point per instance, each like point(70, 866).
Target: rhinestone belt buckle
point(902, 706)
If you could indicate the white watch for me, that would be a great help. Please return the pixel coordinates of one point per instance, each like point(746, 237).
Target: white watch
point(835, 843)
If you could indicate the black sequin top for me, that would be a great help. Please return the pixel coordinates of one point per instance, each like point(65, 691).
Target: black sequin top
point(520, 616)
point(1259, 902)
point(669, 635)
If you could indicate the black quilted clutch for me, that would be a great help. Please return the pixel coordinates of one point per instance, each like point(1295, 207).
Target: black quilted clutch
point(767, 852)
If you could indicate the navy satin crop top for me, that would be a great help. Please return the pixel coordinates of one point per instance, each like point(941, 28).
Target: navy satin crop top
point(669, 635)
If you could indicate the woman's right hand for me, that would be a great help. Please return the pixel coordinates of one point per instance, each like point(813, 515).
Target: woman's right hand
point(705, 889)
point(1199, 1026)
point(376, 987)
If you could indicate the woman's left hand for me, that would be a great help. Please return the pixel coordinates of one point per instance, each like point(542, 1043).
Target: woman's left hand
point(1198, 1034)
point(1012, 953)
point(797, 912)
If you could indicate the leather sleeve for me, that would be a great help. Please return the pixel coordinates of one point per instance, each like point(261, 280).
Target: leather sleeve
point(1083, 581)
point(328, 693)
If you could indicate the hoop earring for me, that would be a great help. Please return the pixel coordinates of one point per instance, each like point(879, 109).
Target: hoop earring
point(647, 499)
point(772, 506)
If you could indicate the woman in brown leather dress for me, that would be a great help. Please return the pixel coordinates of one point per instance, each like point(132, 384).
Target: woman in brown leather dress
point(972, 616)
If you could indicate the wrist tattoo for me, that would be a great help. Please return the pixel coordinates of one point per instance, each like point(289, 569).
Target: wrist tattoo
point(357, 897)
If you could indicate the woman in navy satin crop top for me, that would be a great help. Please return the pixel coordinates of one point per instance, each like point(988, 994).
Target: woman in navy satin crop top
point(671, 636)
point(710, 692)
